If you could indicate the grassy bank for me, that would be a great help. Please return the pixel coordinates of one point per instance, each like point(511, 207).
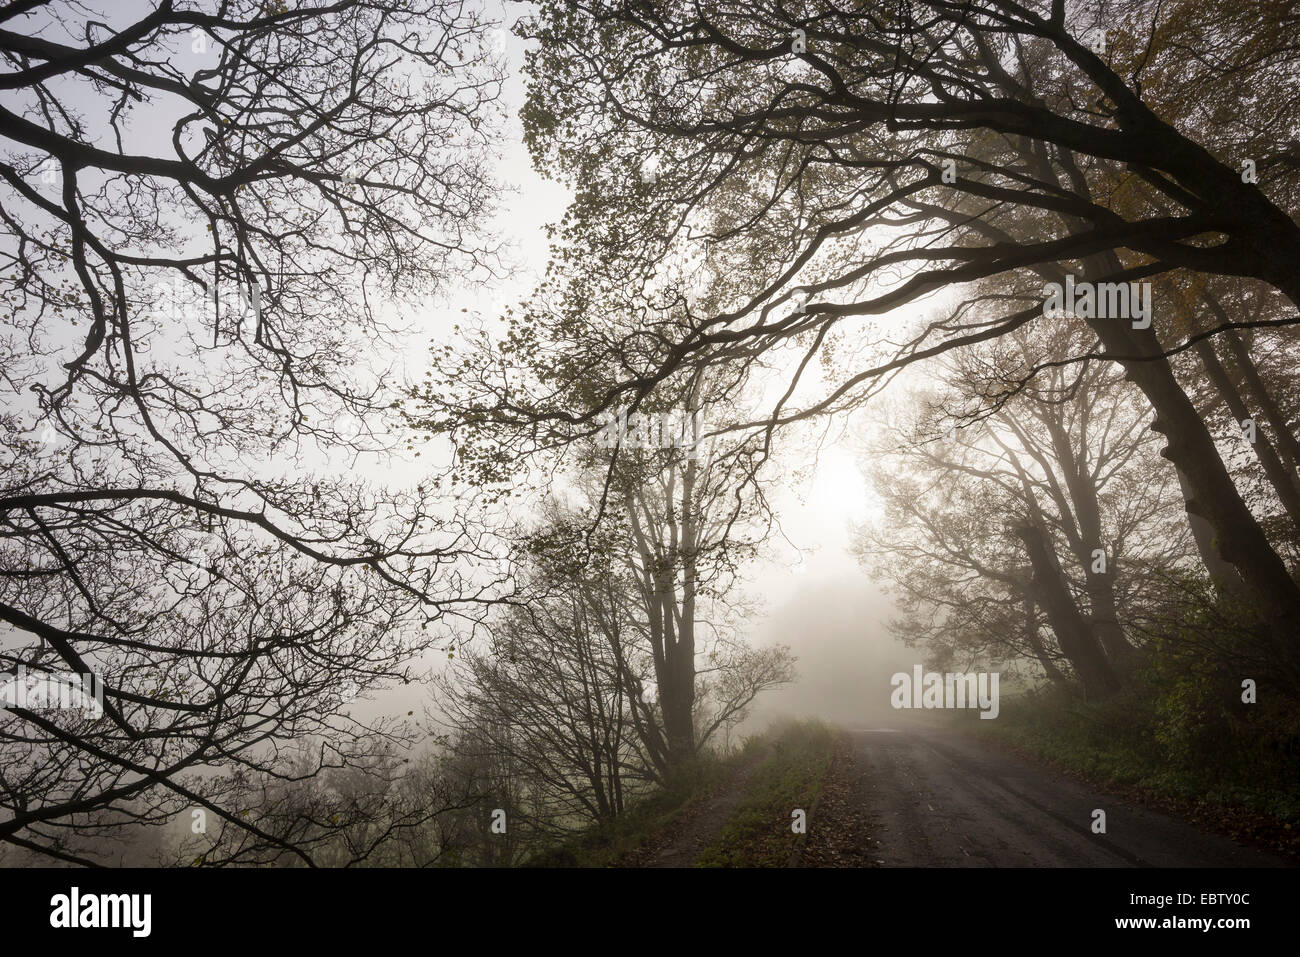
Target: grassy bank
point(644, 819)
point(759, 833)
point(785, 766)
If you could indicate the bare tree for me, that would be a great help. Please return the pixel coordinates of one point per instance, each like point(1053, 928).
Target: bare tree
point(208, 212)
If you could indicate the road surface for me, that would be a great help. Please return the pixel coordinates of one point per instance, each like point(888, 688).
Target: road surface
point(937, 799)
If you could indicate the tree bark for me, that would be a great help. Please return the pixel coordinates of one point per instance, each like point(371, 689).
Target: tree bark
point(1035, 640)
point(1287, 492)
point(1286, 440)
point(1087, 512)
point(1077, 640)
point(1223, 574)
point(1237, 536)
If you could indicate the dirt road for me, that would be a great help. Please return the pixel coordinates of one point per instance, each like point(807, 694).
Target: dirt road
point(937, 799)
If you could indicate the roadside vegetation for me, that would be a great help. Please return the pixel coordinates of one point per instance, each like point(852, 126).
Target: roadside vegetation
point(792, 776)
point(646, 819)
point(790, 762)
point(1232, 766)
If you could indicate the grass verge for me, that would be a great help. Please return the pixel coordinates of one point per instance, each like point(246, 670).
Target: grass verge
point(759, 832)
point(644, 819)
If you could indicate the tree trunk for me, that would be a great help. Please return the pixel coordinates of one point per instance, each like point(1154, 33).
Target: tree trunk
point(1238, 539)
point(1286, 440)
point(1035, 641)
point(1077, 640)
point(1276, 472)
point(1223, 574)
point(1087, 512)
point(677, 682)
